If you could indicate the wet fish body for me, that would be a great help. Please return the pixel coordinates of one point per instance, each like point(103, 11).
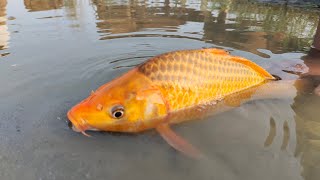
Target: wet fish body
point(169, 89)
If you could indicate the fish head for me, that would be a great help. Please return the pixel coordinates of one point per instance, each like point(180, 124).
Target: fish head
point(130, 103)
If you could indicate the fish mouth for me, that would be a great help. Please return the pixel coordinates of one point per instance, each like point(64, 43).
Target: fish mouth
point(79, 124)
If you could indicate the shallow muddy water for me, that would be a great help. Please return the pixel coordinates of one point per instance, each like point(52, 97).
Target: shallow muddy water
point(54, 52)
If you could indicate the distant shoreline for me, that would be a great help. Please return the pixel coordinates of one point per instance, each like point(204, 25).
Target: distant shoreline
point(312, 4)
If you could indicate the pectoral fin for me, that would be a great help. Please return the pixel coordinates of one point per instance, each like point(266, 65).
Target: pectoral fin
point(178, 142)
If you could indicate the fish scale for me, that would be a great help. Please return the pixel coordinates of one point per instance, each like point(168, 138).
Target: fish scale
point(187, 78)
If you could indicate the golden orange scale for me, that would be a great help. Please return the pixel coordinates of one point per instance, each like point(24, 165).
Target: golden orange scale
point(188, 78)
point(169, 88)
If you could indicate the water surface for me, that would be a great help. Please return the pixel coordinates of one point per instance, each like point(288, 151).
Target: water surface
point(54, 52)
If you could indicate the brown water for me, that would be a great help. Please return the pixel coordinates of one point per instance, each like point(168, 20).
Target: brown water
point(54, 52)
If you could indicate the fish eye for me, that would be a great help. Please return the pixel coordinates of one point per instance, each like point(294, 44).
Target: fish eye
point(117, 111)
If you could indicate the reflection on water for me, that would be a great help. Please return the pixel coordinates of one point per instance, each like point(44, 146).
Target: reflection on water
point(245, 26)
point(42, 5)
point(134, 17)
point(64, 59)
point(272, 133)
point(307, 117)
point(278, 29)
point(316, 41)
point(4, 34)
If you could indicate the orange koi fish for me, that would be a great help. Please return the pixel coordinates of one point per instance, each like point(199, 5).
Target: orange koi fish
point(169, 89)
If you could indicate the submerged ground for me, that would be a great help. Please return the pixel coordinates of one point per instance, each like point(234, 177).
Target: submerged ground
point(53, 53)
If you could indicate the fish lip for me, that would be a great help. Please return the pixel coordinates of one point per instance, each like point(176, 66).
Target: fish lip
point(76, 126)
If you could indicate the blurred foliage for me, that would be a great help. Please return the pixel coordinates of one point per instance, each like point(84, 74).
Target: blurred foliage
point(293, 26)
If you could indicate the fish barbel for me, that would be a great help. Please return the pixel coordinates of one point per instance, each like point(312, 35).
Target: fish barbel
point(169, 89)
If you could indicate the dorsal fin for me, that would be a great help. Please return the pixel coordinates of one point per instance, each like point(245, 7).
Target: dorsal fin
point(254, 66)
point(216, 51)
